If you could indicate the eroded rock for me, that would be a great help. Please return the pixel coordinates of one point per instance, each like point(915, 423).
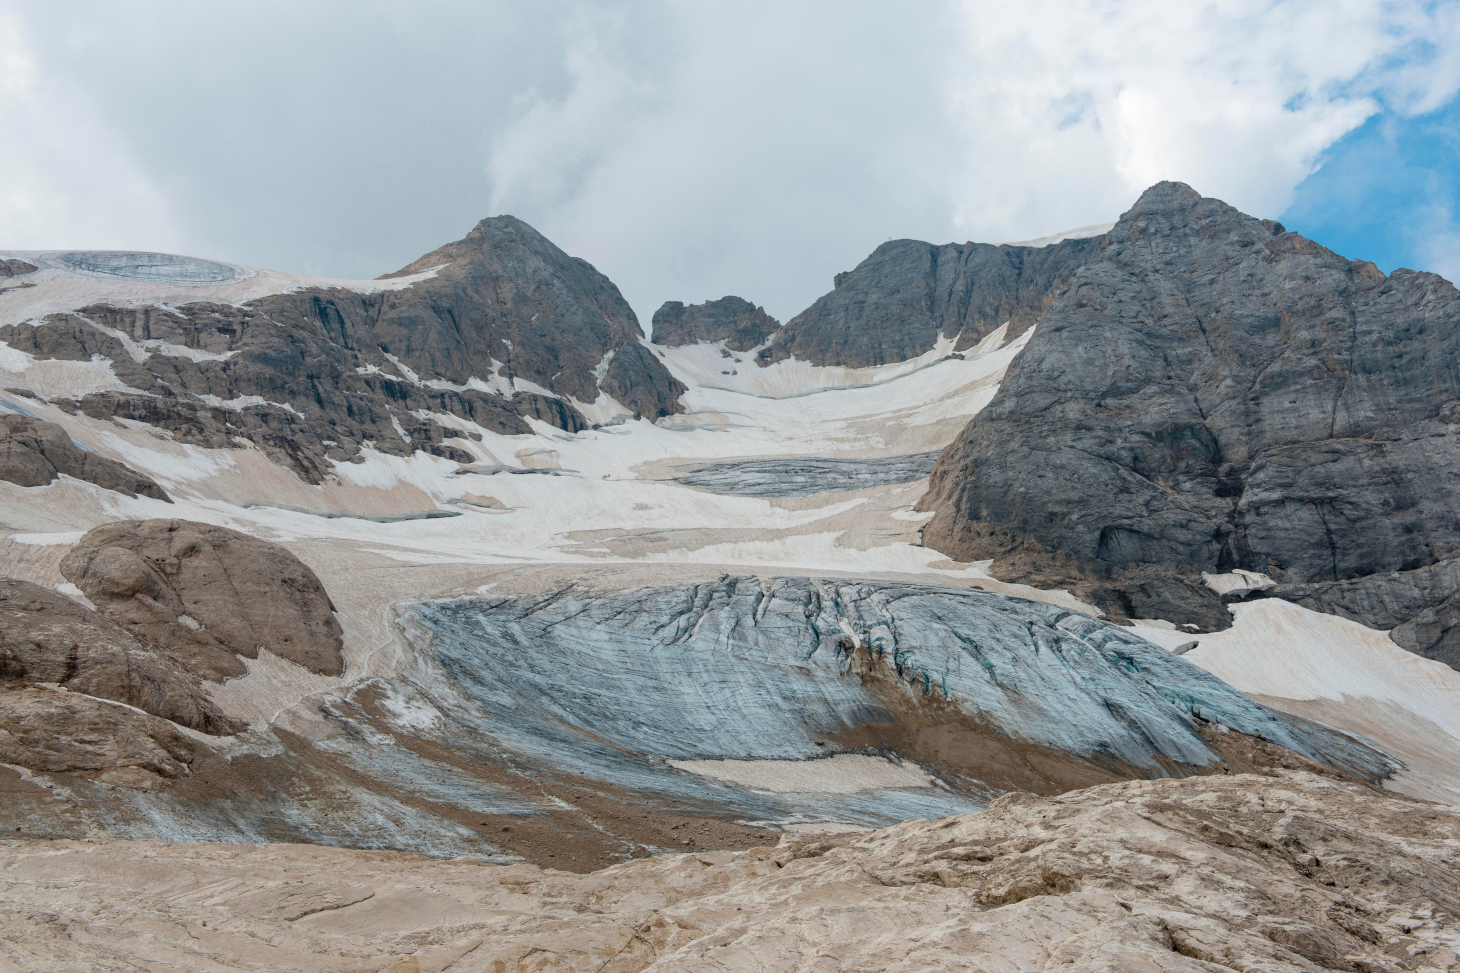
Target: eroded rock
point(47, 638)
point(897, 302)
point(56, 731)
point(508, 327)
point(733, 320)
point(1213, 392)
point(34, 452)
point(207, 595)
point(1291, 873)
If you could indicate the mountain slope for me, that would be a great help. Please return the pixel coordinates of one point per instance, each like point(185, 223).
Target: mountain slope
point(896, 304)
point(1212, 392)
point(496, 329)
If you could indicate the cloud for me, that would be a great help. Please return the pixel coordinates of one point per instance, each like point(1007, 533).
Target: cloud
point(689, 150)
point(1073, 107)
point(66, 179)
point(759, 150)
point(753, 149)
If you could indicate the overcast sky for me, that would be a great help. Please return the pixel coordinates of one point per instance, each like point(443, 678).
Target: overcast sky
point(691, 150)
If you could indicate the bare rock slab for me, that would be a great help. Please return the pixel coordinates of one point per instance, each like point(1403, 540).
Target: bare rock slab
point(207, 595)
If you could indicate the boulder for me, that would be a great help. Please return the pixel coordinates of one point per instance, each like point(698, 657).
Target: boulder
point(206, 595)
point(55, 731)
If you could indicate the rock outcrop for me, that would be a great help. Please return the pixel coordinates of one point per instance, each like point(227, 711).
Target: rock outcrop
point(47, 639)
point(1213, 392)
point(506, 295)
point(55, 731)
point(1279, 873)
point(207, 595)
point(34, 453)
point(898, 301)
point(505, 327)
point(733, 320)
point(10, 267)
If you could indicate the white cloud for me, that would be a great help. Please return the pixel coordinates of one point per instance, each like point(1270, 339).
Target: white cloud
point(66, 177)
point(757, 149)
point(688, 149)
point(767, 146)
point(1069, 109)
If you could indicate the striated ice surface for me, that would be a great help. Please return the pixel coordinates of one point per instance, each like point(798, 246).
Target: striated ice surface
point(161, 267)
point(805, 476)
point(612, 685)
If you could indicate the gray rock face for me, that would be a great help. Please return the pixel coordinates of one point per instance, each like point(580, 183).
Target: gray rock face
point(507, 294)
point(806, 477)
point(894, 305)
point(505, 305)
point(47, 638)
point(206, 595)
point(34, 452)
point(733, 320)
point(1212, 392)
point(16, 268)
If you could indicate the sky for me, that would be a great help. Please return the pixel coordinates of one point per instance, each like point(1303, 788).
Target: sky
point(692, 150)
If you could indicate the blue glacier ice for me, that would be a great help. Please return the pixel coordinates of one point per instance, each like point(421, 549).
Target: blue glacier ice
point(611, 685)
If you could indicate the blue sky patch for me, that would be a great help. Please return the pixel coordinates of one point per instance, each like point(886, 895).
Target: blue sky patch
point(1387, 192)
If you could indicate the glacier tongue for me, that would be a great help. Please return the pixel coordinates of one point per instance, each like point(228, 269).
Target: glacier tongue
point(615, 685)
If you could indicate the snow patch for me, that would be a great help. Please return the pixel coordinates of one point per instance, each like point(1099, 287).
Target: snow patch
point(1078, 233)
point(240, 402)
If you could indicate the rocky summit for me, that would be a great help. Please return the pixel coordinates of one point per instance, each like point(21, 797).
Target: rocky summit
point(1087, 602)
point(1212, 392)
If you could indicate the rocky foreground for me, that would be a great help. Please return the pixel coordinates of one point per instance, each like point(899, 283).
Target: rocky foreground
point(1287, 872)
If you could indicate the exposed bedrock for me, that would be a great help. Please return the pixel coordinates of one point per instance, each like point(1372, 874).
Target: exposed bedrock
point(1290, 874)
point(206, 595)
point(507, 294)
point(509, 327)
point(34, 453)
point(1212, 392)
point(46, 638)
point(10, 267)
point(47, 730)
point(992, 692)
point(733, 320)
point(805, 477)
point(897, 302)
